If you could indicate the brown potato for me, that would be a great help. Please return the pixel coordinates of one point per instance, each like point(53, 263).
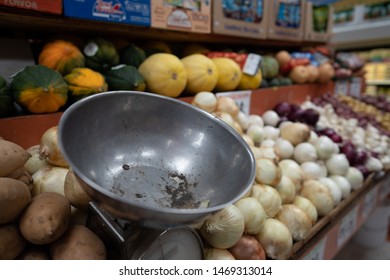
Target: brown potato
point(12, 157)
point(78, 243)
point(24, 176)
point(46, 218)
point(77, 196)
point(11, 242)
point(35, 252)
point(14, 197)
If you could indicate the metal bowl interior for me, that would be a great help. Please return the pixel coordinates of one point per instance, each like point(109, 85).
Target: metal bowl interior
point(154, 159)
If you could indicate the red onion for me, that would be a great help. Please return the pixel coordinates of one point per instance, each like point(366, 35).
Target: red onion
point(282, 109)
point(349, 150)
point(310, 116)
point(360, 157)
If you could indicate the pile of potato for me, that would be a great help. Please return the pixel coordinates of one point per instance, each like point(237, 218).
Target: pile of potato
point(39, 223)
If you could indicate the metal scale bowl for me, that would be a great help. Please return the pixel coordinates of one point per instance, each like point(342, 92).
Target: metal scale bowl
point(153, 166)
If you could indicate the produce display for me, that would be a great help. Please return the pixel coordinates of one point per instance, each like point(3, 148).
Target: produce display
point(77, 70)
point(304, 169)
point(43, 208)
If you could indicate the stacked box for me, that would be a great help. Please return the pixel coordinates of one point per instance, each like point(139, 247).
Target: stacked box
point(240, 18)
point(135, 12)
point(318, 22)
point(46, 6)
point(286, 20)
point(182, 15)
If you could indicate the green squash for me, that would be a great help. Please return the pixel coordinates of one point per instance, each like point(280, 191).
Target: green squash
point(125, 77)
point(39, 89)
point(100, 55)
point(132, 55)
point(6, 100)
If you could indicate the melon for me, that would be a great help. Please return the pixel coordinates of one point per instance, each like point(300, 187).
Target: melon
point(229, 73)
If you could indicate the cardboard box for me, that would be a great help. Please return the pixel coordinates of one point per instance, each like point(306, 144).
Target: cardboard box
point(46, 6)
point(182, 15)
point(240, 18)
point(318, 22)
point(286, 20)
point(135, 12)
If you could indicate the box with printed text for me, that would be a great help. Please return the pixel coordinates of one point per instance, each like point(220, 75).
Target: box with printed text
point(135, 12)
point(45, 6)
point(182, 15)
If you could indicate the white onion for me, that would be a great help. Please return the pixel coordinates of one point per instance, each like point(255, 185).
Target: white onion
point(49, 148)
point(49, 179)
point(337, 164)
point(292, 170)
point(311, 170)
point(268, 171)
point(304, 152)
point(307, 206)
point(34, 163)
point(248, 140)
point(268, 143)
point(243, 120)
point(268, 197)
point(297, 221)
point(355, 178)
point(256, 132)
point(271, 132)
point(226, 117)
point(224, 228)
point(313, 137)
point(319, 195)
point(373, 164)
point(205, 100)
point(333, 188)
point(255, 119)
point(325, 147)
point(343, 184)
point(276, 239)
point(324, 170)
point(286, 190)
point(228, 105)
point(266, 152)
point(284, 148)
point(253, 213)
point(217, 254)
point(271, 118)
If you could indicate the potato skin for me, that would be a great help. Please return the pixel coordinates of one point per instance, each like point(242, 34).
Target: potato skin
point(46, 218)
point(11, 242)
point(78, 243)
point(12, 157)
point(14, 198)
point(34, 252)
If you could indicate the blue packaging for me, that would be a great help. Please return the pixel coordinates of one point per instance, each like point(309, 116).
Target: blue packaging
point(136, 12)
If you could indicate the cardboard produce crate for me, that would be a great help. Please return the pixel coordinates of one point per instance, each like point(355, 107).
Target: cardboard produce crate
point(241, 18)
point(188, 16)
point(286, 20)
point(135, 12)
point(45, 6)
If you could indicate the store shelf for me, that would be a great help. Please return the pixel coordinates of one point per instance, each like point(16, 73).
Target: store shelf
point(378, 83)
point(22, 22)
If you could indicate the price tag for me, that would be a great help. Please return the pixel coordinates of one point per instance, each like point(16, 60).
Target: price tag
point(317, 252)
point(347, 227)
point(252, 64)
point(341, 87)
point(369, 202)
point(242, 98)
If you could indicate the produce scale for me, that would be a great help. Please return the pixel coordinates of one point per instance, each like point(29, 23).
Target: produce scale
point(150, 180)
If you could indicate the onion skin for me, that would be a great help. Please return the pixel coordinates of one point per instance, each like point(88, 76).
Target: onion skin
point(268, 197)
point(217, 254)
point(49, 149)
point(319, 195)
point(296, 133)
point(206, 101)
point(248, 248)
point(268, 171)
point(276, 239)
point(308, 207)
point(253, 213)
point(297, 221)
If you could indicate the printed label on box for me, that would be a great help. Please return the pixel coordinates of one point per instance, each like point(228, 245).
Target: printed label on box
point(347, 227)
point(318, 251)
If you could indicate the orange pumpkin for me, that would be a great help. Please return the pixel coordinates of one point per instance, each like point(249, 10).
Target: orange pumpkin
point(61, 56)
